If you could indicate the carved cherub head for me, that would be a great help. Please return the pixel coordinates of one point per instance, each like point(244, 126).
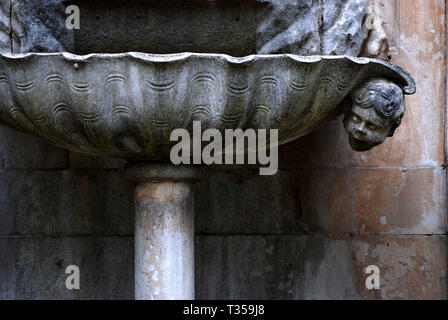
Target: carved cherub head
point(376, 111)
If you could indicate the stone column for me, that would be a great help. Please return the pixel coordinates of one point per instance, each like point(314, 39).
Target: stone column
point(164, 230)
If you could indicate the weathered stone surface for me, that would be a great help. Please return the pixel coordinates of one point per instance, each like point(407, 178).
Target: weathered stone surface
point(16, 149)
point(374, 112)
point(34, 267)
point(311, 27)
point(240, 201)
point(413, 271)
point(5, 26)
point(84, 104)
point(39, 26)
point(422, 48)
point(237, 28)
point(306, 27)
point(20, 151)
point(65, 203)
point(386, 201)
point(239, 267)
point(419, 41)
point(156, 172)
point(272, 267)
point(7, 268)
point(164, 240)
point(411, 267)
point(7, 208)
point(378, 201)
point(409, 147)
point(377, 43)
point(82, 161)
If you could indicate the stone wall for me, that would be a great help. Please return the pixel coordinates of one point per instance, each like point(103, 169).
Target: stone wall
point(305, 233)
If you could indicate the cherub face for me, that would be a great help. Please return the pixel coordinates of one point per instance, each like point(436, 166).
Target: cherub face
point(365, 128)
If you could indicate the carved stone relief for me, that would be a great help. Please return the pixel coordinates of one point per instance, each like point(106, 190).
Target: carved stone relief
point(39, 26)
point(5, 26)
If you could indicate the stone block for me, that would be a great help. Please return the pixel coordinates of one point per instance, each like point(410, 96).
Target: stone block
point(272, 267)
point(240, 201)
point(5, 26)
point(7, 268)
point(66, 203)
point(411, 267)
point(376, 201)
point(21, 151)
point(365, 201)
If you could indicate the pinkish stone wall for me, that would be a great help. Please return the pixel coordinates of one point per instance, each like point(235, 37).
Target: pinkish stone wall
point(391, 200)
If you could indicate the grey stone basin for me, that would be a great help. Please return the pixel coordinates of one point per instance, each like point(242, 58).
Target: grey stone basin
point(127, 105)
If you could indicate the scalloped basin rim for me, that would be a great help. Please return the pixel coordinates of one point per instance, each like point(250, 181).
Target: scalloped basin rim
point(409, 88)
point(126, 105)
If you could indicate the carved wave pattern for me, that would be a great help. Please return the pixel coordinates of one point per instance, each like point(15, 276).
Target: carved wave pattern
point(117, 106)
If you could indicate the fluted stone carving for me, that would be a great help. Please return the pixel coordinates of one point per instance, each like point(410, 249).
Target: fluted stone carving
point(127, 105)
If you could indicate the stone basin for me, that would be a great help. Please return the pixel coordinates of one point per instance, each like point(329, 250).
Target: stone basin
point(126, 105)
